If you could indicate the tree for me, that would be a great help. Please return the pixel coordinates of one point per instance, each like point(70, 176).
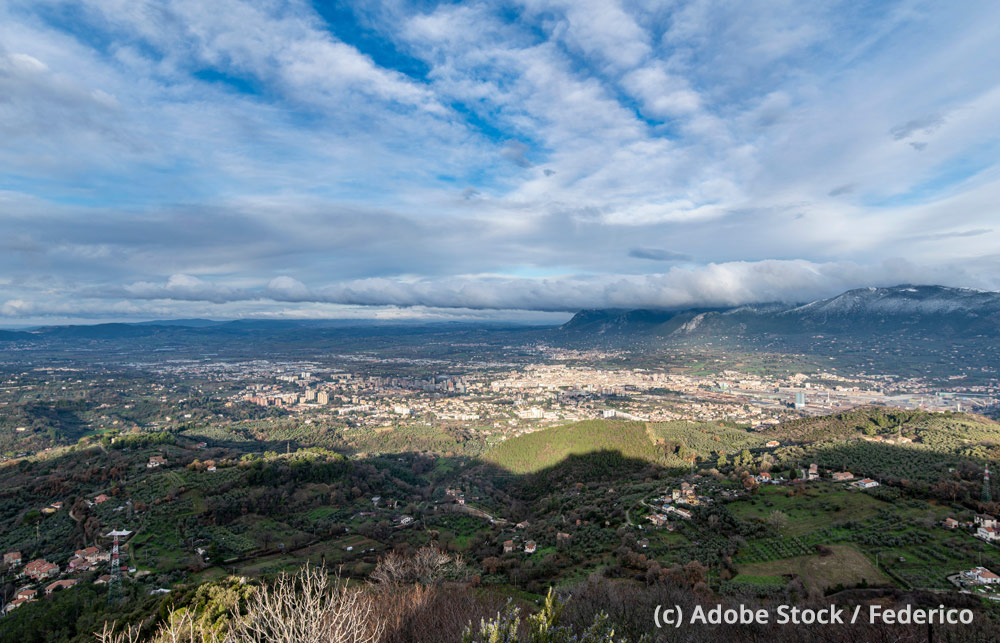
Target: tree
point(309, 606)
point(777, 519)
point(425, 565)
point(491, 564)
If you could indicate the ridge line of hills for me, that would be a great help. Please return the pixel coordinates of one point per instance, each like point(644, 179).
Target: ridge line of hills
point(926, 310)
point(930, 310)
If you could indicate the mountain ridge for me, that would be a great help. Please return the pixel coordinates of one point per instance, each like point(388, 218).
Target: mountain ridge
point(927, 309)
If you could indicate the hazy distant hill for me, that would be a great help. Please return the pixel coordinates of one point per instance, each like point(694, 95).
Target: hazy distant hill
point(922, 310)
point(917, 311)
point(11, 335)
point(189, 323)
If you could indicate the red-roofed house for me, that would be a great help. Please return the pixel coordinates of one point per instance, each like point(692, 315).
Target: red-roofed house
point(980, 576)
point(41, 568)
point(93, 554)
point(61, 584)
point(12, 558)
point(27, 594)
point(989, 534)
point(658, 519)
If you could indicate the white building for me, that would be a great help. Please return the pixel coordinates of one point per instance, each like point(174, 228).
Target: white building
point(980, 576)
point(989, 534)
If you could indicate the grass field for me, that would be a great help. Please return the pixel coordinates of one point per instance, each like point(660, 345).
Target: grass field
point(845, 566)
point(535, 451)
point(822, 505)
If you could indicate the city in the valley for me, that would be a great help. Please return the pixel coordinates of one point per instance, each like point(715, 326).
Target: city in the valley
point(140, 469)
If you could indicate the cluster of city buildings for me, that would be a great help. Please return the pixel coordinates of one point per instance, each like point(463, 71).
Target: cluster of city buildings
point(520, 399)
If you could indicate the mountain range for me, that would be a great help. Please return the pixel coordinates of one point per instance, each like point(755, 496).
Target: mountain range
point(933, 311)
point(914, 311)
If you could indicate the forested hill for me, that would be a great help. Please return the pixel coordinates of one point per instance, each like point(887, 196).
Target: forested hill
point(881, 423)
point(681, 444)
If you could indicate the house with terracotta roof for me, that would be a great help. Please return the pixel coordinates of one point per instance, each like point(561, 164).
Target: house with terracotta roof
point(989, 534)
point(12, 558)
point(61, 584)
point(683, 513)
point(28, 594)
point(842, 476)
point(39, 569)
point(658, 519)
point(93, 554)
point(980, 576)
point(530, 547)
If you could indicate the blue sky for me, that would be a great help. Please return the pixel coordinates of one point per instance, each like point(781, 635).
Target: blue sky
point(481, 160)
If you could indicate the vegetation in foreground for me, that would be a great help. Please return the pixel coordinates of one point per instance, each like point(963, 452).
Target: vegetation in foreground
point(583, 494)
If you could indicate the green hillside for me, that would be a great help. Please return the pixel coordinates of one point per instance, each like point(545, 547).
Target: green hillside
point(941, 429)
point(536, 451)
point(704, 437)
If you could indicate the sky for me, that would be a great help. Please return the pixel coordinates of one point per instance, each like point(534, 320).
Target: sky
point(489, 160)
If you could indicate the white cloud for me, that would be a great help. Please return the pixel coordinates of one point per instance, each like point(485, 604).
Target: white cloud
point(716, 284)
point(244, 153)
point(662, 95)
